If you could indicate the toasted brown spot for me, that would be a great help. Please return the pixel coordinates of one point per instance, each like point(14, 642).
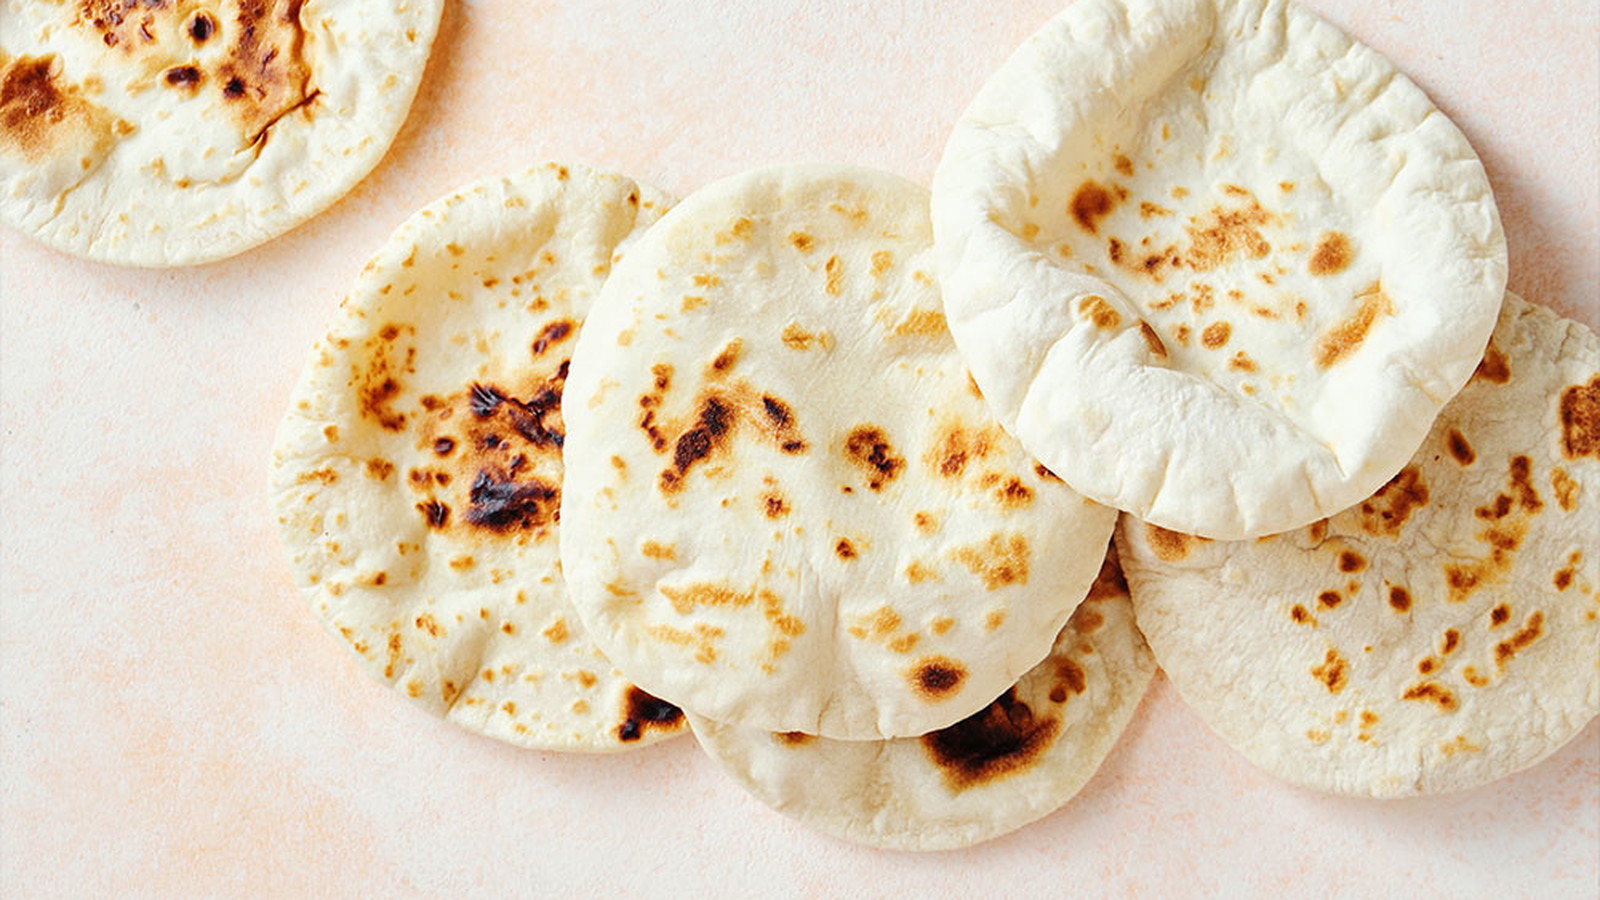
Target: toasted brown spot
point(443, 446)
point(654, 550)
point(835, 276)
point(1329, 599)
point(1302, 616)
point(684, 599)
point(936, 678)
point(1013, 494)
point(1493, 367)
point(1456, 442)
point(555, 632)
point(955, 447)
point(1532, 629)
point(428, 623)
point(868, 448)
point(1215, 335)
point(1499, 615)
point(726, 359)
point(802, 241)
point(926, 522)
point(1169, 546)
point(1091, 203)
point(1332, 256)
point(1565, 489)
point(793, 738)
point(1122, 164)
point(1351, 561)
point(1043, 472)
point(1152, 340)
point(498, 501)
point(642, 713)
point(1434, 692)
point(921, 322)
point(941, 624)
point(553, 333)
point(715, 424)
point(882, 261)
point(1099, 312)
point(435, 513)
point(1334, 672)
point(999, 740)
point(1521, 484)
point(40, 118)
point(1228, 233)
point(1387, 511)
point(844, 549)
point(998, 561)
point(917, 573)
point(1580, 420)
point(1242, 362)
point(798, 338)
point(774, 504)
point(1346, 337)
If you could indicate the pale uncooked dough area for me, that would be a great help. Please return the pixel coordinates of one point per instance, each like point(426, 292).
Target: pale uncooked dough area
point(175, 722)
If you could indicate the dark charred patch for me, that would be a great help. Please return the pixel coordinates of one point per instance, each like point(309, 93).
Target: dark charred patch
point(1493, 367)
point(553, 333)
point(725, 360)
point(1499, 615)
point(435, 513)
point(1351, 561)
point(1399, 599)
point(202, 27)
point(1345, 337)
point(936, 678)
point(642, 713)
point(444, 446)
point(501, 503)
point(1332, 256)
point(1329, 599)
point(264, 73)
point(1002, 738)
point(182, 76)
point(1450, 640)
point(1091, 203)
point(1302, 616)
point(1386, 512)
point(485, 399)
point(1521, 483)
point(650, 404)
point(1580, 419)
point(775, 505)
point(716, 421)
point(1456, 442)
point(844, 549)
point(868, 448)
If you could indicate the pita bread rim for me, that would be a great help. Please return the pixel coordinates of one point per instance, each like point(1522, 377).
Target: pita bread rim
point(1259, 746)
point(385, 265)
point(967, 228)
point(769, 181)
point(1127, 696)
point(324, 189)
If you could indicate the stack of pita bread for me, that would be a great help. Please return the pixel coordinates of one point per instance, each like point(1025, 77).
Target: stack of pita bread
point(824, 467)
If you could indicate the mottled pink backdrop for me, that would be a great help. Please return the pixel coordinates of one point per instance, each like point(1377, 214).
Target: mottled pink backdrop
point(175, 723)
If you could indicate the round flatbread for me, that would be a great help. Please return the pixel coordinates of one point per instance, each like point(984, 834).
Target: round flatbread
point(1212, 261)
point(786, 505)
point(1440, 634)
point(176, 132)
point(1018, 759)
point(417, 475)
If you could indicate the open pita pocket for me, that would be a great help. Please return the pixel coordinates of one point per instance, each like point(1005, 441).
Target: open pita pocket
point(1436, 636)
point(1212, 261)
point(786, 505)
point(417, 475)
point(1018, 759)
point(183, 131)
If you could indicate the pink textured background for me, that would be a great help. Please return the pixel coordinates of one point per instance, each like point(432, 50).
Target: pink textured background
point(173, 722)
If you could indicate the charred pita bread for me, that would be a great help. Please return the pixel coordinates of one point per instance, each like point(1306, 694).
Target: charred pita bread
point(1436, 636)
point(417, 475)
point(1016, 760)
point(786, 506)
point(182, 131)
point(1212, 261)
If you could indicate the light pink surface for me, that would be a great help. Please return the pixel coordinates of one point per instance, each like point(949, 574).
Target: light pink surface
point(173, 722)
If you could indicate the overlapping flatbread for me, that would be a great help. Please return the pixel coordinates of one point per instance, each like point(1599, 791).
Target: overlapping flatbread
point(786, 504)
point(1212, 261)
point(175, 132)
point(417, 475)
point(1438, 635)
point(1016, 760)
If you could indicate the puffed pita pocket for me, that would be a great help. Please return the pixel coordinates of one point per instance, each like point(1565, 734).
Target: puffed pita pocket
point(1439, 634)
point(1212, 261)
point(417, 475)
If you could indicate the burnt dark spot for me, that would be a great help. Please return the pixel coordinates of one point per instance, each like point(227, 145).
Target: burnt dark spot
point(201, 27)
point(551, 334)
point(1091, 203)
point(998, 740)
point(643, 712)
point(868, 447)
point(716, 420)
point(777, 412)
point(1460, 449)
point(444, 445)
point(1386, 512)
point(234, 89)
point(1499, 615)
point(436, 513)
point(1493, 368)
point(485, 399)
point(500, 504)
point(1399, 599)
point(937, 677)
point(186, 76)
point(1329, 599)
point(530, 417)
point(845, 549)
point(1452, 640)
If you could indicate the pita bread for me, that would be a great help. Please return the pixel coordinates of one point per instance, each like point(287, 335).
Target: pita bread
point(1018, 759)
point(786, 506)
point(417, 475)
point(178, 132)
point(1437, 636)
point(1212, 261)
